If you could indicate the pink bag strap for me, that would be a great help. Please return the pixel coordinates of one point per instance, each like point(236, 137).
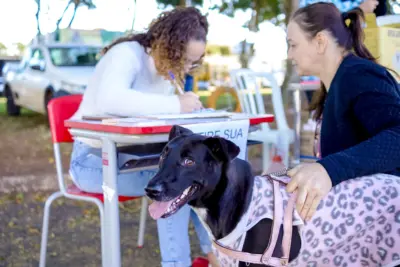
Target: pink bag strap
point(287, 221)
point(276, 224)
point(288, 226)
point(266, 258)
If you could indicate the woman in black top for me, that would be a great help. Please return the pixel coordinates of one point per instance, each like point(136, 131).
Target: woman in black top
point(359, 103)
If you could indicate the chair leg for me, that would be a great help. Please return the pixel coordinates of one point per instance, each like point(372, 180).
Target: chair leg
point(265, 156)
point(285, 149)
point(102, 232)
point(45, 227)
point(142, 225)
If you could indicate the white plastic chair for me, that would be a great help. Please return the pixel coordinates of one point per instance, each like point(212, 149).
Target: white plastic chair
point(247, 84)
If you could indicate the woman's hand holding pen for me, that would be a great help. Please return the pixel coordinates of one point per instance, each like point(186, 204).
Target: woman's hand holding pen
point(189, 102)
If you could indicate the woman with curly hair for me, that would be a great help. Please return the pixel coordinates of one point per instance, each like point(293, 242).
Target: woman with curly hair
point(134, 77)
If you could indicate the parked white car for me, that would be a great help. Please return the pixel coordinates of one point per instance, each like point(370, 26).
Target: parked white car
point(49, 70)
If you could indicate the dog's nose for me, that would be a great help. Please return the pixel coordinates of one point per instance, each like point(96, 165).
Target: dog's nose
point(154, 190)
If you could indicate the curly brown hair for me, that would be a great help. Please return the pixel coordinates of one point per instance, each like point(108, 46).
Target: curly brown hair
point(168, 36)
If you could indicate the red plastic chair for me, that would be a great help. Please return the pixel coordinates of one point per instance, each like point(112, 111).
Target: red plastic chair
point(59, 110)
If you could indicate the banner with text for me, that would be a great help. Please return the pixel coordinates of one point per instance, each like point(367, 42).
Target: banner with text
point(236, 131)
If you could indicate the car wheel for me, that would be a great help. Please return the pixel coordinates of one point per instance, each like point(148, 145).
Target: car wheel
point(12, 108)
point(48, 96)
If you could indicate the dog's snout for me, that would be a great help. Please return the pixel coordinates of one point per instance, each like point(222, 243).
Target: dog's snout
point(154, 190)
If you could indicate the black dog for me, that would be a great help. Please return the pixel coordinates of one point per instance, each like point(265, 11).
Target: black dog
point(205, 173)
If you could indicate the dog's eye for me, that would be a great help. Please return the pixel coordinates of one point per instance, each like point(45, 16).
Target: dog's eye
point(188, 162)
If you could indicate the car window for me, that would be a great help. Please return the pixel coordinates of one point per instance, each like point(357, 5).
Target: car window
point(37, 59)
point(74, 56)
point(37, 55)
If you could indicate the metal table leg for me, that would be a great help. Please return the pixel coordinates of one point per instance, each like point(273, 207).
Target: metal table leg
point(111, 209)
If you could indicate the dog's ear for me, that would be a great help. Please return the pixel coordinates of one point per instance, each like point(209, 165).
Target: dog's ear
point(178, 131)
point(223, 149)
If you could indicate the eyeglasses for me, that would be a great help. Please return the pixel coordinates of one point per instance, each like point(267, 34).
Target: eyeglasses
point(192, 65)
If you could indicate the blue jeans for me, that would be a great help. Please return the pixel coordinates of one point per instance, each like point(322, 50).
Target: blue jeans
point(87, 174)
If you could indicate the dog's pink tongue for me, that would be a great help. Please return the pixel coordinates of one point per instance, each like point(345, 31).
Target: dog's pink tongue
point(157, 209)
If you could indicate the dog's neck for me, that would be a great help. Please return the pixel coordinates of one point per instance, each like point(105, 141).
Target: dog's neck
point(231, 198)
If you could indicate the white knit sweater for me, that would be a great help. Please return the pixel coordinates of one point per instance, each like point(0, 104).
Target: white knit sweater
point(125, 83)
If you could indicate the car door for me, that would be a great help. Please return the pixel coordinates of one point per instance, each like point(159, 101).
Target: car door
point(17, 81)
point(35, 82)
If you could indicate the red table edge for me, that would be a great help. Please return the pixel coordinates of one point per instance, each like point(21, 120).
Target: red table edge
point(140, 130)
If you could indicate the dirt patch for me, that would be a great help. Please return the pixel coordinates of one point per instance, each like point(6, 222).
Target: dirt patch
point(25, 146)
point(74, 233)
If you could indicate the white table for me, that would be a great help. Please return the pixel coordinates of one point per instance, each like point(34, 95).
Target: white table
point(112, 134)
point(296, 88)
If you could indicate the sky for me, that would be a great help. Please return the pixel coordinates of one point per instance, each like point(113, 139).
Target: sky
point(117, 15)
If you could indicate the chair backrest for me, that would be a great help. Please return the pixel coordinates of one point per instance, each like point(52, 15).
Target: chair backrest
point(248, 83)
point(245, 84)
point(59, 110)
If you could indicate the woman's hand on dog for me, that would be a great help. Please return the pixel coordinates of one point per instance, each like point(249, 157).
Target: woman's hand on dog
point(312, 183)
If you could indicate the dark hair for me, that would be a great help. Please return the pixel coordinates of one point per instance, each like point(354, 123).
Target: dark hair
point(167, 38)
point(346, 28)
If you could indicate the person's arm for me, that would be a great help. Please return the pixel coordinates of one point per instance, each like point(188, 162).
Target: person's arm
point(377, 107)
point(114, 93)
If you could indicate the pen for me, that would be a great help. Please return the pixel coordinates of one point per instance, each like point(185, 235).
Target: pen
point(175, 83)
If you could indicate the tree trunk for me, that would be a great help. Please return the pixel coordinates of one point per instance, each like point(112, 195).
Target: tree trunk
point(244, 55)
point(289, 6)
point(247, 54)
point(39, 33)
point(73, 16)
point(62, 16)
point(57, 33)
point(134, 16)
point(182, 3)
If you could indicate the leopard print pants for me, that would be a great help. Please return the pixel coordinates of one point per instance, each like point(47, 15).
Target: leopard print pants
point(357, 224)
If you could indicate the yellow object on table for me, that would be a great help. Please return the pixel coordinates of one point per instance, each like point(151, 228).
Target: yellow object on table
point(383, 40)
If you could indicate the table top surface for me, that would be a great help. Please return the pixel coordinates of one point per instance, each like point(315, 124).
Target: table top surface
point(144, 126)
